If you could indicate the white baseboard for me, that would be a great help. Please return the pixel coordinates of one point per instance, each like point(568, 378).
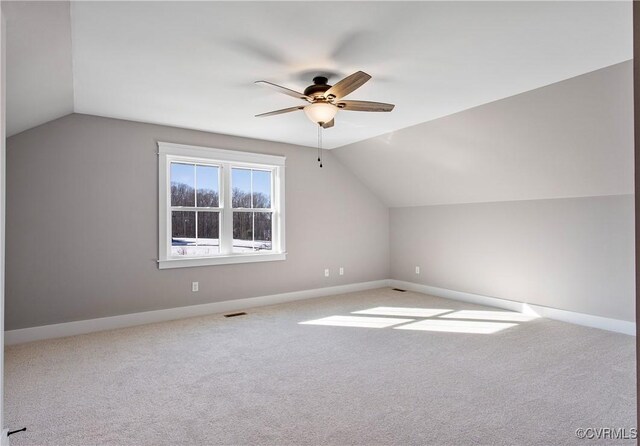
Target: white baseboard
point(572, 317)
point(23, 335)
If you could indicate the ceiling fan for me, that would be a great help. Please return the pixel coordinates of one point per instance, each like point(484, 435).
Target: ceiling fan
point(325, 100)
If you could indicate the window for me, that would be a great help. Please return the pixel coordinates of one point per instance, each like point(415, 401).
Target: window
point(195, 211)
point(252, 212)
point(219, 206)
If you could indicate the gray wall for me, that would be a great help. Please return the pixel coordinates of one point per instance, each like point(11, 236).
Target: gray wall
point(575, 254)
point(71, 183)
point(570, 139)
point(529, 198)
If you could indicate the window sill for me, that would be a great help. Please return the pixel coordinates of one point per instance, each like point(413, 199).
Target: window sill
point(220, 260)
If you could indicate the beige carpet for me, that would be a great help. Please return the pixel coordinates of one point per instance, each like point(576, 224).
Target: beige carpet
point(266, 379)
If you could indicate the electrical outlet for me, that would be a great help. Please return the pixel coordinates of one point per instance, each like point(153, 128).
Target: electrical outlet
point(417, 270)
point(326, 272)
point(341, 271)
point(194, 287)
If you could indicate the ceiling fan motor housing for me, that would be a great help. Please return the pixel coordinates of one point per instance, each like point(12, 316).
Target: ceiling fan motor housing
point(318, 88)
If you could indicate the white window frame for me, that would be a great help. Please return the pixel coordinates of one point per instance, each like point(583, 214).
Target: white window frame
point(225, 159)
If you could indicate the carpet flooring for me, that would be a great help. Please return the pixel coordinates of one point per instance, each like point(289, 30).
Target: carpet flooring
point(440, 372)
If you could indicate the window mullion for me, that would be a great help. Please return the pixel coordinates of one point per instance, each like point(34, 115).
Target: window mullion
point(193, 209)
point(196, 221)
point(226, 236)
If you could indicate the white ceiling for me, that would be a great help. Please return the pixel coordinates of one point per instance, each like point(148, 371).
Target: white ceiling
point(39, 74)
point(192, 64)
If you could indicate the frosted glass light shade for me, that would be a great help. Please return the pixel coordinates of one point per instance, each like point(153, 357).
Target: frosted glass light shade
point(320, 112)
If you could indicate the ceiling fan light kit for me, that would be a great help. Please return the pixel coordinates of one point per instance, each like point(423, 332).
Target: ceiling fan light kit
point(320, 112)
point(325, 100)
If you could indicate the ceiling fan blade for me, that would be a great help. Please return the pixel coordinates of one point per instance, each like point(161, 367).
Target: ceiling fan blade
point(279, 112)
point(366, 106)
point(347, 85)
point(286, 90)
point(329, 124)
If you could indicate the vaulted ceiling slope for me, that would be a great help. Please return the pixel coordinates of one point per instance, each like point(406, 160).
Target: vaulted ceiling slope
point(192, 64)
point(570, 139)
point(39, 70)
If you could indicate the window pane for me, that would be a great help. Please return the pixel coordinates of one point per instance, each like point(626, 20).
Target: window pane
point(241, 184)
point(262, 231)
point(208, 233)
point(251, 231)
point(261, 189)
point(182, 184)
point(207, 183)
point(183, 233)
point(242, 231)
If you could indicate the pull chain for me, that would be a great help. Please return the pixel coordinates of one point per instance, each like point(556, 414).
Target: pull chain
point(320, 144)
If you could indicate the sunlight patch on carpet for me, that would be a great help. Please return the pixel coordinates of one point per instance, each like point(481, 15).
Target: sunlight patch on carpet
point(451, 326)
point(490, 315)
point(357, 321)
point(403, 311)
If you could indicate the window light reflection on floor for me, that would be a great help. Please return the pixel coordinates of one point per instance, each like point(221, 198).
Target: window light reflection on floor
point(402, 311)
point(452, 326)
point(490, 315)
point(357, 321)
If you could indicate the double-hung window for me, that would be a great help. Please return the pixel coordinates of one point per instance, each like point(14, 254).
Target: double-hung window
point(219, 206)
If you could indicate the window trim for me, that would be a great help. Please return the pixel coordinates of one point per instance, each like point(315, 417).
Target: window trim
point(170, 152)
